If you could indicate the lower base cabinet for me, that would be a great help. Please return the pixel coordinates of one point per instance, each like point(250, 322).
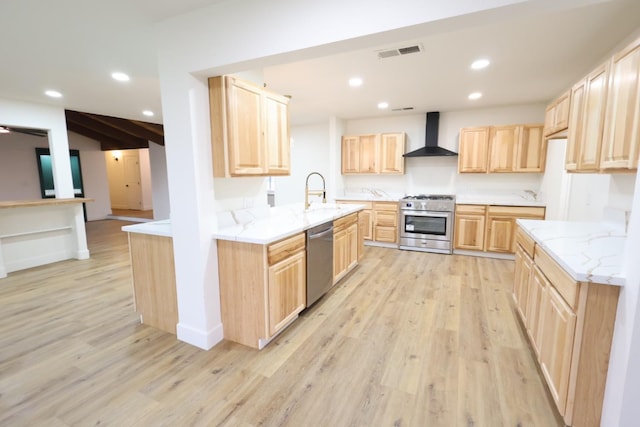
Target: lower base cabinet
point(262, 288)
point(345, 245)
point(570, 326)
point(154, 280)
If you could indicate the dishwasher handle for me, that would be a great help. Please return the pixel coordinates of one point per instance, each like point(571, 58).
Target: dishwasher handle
point(322, 233)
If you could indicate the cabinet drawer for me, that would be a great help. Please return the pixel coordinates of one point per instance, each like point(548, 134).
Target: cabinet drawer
point(386, 234)
point(524, 240)
point(518, 211)
point(386, 219)
point(471, 209)
point(565, 285)
point(344, 222)
point(386, 206)
point(278, 251)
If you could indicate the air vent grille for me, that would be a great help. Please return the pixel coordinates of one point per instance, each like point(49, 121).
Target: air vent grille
point(402, 109)
point(405, 50)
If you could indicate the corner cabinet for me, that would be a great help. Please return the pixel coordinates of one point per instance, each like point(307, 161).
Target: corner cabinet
point(570, 326)
point(373, 154)
point(249, 129)
point(262, 288)
point(490, 228)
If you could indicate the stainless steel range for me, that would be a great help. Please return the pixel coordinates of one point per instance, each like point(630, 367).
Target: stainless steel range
point(426, 223)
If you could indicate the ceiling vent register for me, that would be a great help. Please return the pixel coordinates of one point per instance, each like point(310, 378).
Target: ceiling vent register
point(406, 50)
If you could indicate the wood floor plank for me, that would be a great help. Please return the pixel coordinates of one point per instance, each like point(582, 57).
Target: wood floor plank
point(406, 339)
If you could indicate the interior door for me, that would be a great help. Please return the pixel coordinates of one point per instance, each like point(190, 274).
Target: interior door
point(133, 189)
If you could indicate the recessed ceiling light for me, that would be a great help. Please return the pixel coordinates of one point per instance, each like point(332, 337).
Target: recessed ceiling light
point(121, 77)
point(53, 93)
point(383, 105)
point(148, 113)
point(479, 64)
point(355, 81)
point(475, 95)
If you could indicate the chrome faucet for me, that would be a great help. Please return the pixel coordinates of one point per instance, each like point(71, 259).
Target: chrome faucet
point(308, 192)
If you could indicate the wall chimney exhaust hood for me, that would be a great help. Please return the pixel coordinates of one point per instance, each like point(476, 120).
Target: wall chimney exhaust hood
point(431, 148)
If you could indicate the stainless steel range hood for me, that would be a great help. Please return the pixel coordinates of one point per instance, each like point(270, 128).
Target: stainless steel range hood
point(431, 148)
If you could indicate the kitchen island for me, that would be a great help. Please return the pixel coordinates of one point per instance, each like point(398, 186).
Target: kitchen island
point(566, 287)
point(41, 231)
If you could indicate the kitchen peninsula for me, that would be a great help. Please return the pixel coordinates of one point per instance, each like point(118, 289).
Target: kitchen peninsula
point(262, 268)
point(39, 232)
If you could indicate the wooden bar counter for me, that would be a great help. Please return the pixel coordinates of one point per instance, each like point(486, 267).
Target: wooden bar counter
point(42, 231)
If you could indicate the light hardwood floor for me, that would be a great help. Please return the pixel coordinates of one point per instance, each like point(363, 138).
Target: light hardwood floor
point(407, 339)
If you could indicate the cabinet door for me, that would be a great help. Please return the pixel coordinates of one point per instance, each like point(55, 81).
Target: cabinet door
point(340, 246)
point(537, 293)
point(622, 122)
point(367, 224)
point(559, 324)
point(500, 234)
point(368, 146)
point(287, 291)
point(531, 149)
point(385, 222)
point(352, 246)
point(594, 107)
point(556, 117)
point(364, 221)
point(522, 278)
point(473, 150)
point(391, 151)
point(576, 126)
point(276, 131)
point(247, 151)
point(502, 148)
point(350, 155)
point(469, 231)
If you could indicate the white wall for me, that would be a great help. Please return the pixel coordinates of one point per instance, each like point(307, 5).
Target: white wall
point(19, 170)
point(310, 152)
point(159, 183)
point(145, 178)
point(440, 174)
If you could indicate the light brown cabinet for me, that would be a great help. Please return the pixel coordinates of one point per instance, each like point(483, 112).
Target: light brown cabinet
point(262, 288)
point(249, 129)
point(570, 326)
point(154, 280)
point(499, 149)
point(373, 154)
point(621, 139)
point(473, 150)
point(576, 126)
point(469, 227)
point(385, 222)
point(345, 245)
point(490, 228)
point(556, 118)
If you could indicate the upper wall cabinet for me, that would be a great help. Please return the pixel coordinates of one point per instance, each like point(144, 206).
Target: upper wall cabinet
point(621, 138)
point(249, 129)
point(373, 154)
point(556, 118)
point(495, 149)
point(604, 116)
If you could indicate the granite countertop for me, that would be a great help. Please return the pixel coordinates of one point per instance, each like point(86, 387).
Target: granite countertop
point(587, 251)
point(156, 228)
point(267, 226)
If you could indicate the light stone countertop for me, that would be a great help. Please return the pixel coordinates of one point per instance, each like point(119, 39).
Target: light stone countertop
point(155, 228)
point(515, 198)
point(270, 225)
point(587, 251)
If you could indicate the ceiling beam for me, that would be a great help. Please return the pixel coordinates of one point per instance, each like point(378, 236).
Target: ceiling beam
point(138, 129)
point(107, 142)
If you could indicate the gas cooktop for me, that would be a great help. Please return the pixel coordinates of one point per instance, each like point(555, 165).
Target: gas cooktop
point(428, 197)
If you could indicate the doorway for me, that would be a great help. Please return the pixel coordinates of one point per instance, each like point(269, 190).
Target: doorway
point(129, 177)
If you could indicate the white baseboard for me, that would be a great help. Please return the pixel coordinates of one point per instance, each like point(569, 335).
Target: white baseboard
point(484, 254)
point(201, 339)
point(36, 261)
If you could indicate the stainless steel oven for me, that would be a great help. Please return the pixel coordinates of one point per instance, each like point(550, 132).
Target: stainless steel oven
point(426, 223)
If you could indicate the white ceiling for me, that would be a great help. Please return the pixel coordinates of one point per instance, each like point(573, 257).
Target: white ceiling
point(74, 45)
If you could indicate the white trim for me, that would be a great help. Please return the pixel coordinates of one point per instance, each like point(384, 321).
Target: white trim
point(196, 337)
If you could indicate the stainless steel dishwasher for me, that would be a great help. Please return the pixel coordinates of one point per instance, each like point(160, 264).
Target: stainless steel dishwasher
point(319, 261)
